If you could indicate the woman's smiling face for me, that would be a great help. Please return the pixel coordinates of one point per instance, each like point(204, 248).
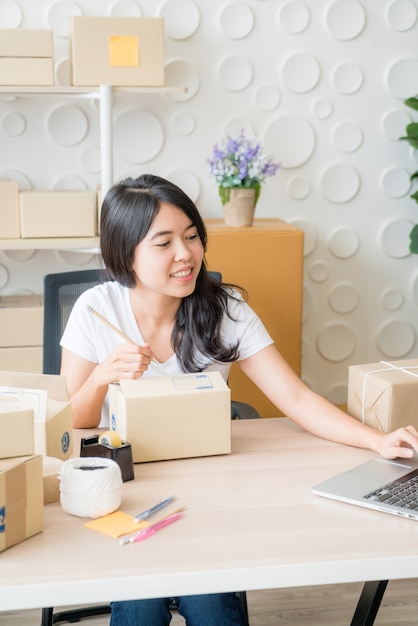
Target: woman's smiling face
point(169, 258)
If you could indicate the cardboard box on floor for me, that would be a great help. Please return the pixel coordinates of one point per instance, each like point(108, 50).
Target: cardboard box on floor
point(52, 431)
point(171, 417)
point(118, 51)
point(21, 499)
point(384, 395)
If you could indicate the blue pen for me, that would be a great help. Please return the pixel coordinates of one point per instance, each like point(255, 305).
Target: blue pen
point(145, 514)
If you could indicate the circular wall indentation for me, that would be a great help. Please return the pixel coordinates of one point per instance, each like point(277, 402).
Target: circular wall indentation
point(183, 74)
point(235, 73)
point(343, 243)
point(340, 183)
point(337, 394)
point(345, 19)
point(69, 182)
point(343, 298)
point(267, 97)
point(401, 15)
point(294, 17)
point(76, 259)
point(139, 136)
point(181, 18)
point(348, 137)
point(290, 139)
point(394, 123)
point(298, 188)
point(59, 14)
point(394, 238)
point(307, 304)
point(322, 108)
point(402, 78)
point(233, 125)
point(19, 177)
point(13, 124)
point(395, 339)
point(10, 14)
point(184, 124)
point(63, 72)
point(336, 342)
point(187, 181)
point(392, 299)
point(67, 125)
point(91, 159)
point(396, 182)
point(19, 256)
point(347, 78)
point(236, 20)
point(4, 276)
point(300, 72)
point(125, 8)
point(318, 272)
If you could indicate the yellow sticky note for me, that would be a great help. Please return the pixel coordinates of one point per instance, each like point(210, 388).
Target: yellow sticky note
point(116, 524)
point(123, 51)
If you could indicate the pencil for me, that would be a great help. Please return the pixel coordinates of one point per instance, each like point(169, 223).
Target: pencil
point(114, 328)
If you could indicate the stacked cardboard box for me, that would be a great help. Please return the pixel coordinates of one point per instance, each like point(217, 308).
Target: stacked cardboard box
point(9, 210)
point(21, 333)
point(26, 57)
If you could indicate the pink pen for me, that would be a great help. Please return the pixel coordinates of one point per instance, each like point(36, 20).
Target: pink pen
point(147, 532)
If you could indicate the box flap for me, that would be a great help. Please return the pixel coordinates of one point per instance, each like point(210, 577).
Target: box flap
point(54, 385)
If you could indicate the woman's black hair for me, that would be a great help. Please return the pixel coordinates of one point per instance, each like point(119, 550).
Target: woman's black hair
point(128, 211)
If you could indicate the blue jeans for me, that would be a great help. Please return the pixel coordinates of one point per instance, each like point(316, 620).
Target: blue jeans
point(217, 609)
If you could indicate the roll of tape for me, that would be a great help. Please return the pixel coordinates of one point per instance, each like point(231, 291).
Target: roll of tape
point(90, 486)
point(110, 438)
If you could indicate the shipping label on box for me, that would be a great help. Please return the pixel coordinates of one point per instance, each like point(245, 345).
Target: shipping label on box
point(52, 417)
point(21, 320)
point(21, 499)
point(384, 395)
point(16, 426)
point(118, 51)
point(58, 214)
point(26, 71)
point(172, 417)
point(26, 42)
point(9, 210)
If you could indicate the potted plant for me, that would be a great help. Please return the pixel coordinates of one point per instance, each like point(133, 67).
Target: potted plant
point(412, 138)
point(239, 167)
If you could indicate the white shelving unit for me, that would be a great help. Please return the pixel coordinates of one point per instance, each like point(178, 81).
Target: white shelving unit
point(103, 93)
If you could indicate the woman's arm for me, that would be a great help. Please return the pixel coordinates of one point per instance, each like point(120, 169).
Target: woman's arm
point(88, 382)
point(276, 379)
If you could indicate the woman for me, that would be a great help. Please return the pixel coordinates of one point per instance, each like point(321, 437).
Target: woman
point(153, 241)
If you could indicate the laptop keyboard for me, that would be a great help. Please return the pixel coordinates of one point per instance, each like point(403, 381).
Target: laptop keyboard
point(402, 492)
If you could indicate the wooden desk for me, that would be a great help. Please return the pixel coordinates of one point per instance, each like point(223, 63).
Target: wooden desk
point(251, 523)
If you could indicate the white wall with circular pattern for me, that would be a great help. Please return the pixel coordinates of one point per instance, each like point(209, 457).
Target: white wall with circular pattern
point(321, 84)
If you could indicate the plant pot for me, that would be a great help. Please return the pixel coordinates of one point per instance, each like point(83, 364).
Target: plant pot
point(239, 205)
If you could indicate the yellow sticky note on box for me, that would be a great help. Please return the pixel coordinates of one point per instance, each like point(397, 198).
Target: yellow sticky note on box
point(123, 51)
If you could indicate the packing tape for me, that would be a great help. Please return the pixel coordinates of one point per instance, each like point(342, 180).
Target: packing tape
point(111, 439)
point(90, 486)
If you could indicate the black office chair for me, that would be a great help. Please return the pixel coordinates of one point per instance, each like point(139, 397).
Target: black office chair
point(60, 293)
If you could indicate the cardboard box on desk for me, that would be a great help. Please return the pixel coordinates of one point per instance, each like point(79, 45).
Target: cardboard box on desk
point(9, 210)
point(384, 395)
point(21, 499)
point(118, 51)
point(21, 320)
point(172, 417)
point(52, 417)
point(16, 428)
point(58, 214)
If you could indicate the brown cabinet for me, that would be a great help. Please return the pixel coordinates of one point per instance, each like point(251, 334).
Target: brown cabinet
point(267, 260)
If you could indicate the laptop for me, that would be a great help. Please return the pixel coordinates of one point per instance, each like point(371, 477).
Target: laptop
point(390, 486)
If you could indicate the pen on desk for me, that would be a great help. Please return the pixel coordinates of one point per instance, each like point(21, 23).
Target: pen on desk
point(145, 514)
point(150, 530)
point(114, 328)
point(127, 538)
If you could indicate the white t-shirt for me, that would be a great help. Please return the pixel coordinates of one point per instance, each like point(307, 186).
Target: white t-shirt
point(88, 337)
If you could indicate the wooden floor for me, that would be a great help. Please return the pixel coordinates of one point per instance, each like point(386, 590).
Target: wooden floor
point(311, 606)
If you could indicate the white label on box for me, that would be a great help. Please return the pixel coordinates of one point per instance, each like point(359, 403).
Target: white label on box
point(198, 381)
point(35, 398)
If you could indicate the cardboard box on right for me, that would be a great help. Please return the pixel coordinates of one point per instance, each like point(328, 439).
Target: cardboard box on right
point(384, 395)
